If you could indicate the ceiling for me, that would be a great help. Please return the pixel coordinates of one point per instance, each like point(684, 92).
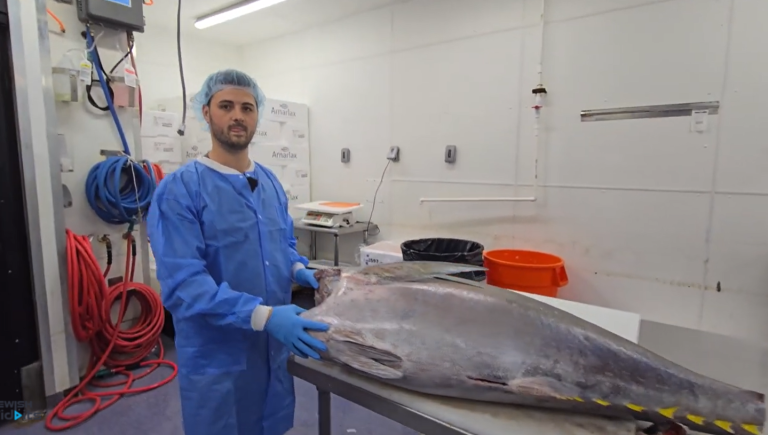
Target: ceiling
point(281, 19)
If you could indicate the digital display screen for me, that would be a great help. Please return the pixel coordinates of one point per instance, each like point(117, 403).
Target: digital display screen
point(121, 2)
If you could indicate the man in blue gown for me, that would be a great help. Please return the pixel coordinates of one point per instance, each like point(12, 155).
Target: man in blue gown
point(226, 259)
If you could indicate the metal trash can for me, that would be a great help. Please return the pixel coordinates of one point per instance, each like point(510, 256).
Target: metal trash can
point(447, 250)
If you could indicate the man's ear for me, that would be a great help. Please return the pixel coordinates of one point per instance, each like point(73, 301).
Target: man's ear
point(207, 113)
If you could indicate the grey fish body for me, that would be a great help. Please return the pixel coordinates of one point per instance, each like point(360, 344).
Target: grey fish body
point(449, 339)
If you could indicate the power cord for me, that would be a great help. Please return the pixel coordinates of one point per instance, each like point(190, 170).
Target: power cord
point(373, 207)
point(106, 84)
point(125, 56)
point(183, 125)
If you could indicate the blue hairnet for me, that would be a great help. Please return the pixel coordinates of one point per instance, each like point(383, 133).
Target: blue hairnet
point(228, 78)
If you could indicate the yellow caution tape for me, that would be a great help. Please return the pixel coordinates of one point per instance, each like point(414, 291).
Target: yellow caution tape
point(751, 428)
point(668, 412)
point(725, 425)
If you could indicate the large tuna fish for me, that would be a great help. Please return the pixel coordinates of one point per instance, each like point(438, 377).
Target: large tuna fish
point(398, 324)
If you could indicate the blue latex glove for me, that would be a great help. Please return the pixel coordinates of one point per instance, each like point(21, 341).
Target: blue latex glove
point(287, 327)
point(306, 278)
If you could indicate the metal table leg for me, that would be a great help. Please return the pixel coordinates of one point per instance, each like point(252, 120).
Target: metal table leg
point(312, 245)
point(324, 412)
point(336, 250)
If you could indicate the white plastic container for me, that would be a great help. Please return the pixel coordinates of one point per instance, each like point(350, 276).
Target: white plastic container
point(381, 253)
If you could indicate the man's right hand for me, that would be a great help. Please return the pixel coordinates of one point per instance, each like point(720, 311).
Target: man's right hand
point(285, 325)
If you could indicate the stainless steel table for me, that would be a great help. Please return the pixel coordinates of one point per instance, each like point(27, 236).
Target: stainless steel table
point(356, 228)
point(432, 415)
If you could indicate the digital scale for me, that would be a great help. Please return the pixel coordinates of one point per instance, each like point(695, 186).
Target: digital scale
point(329, 214)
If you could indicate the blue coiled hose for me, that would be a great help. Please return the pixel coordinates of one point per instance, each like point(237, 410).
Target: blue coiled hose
point(110, 190)
point(118, 189)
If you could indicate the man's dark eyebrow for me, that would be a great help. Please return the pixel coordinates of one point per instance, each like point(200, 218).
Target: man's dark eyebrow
point(232, 102)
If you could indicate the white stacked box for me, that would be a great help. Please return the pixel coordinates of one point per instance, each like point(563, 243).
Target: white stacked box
point(160, 143)
point(281, 143)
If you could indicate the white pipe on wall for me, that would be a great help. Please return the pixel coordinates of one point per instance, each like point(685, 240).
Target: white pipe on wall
point(489, 199)
point(537, 110)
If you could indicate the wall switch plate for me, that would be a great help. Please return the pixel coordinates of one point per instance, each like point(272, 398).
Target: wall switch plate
point(450, 154)
point(394, 154)
point(345, 155)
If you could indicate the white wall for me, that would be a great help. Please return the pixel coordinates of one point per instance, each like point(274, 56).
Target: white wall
point(648, 216)
point(87, 130)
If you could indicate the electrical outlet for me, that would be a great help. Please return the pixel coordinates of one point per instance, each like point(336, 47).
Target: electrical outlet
point(450, 154)
point(345, 155)
point(394, 154)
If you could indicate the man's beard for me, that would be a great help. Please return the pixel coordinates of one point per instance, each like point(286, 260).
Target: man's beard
point(232, 144)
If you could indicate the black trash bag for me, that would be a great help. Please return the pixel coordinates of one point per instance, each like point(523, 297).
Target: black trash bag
point(447, 250)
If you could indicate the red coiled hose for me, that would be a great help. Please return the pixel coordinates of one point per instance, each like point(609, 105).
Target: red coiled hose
point(117, 349)
point(159, 174)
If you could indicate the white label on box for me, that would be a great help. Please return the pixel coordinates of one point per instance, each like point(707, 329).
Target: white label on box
point(159, 124)
point(281, 155)
point(284, 111)
point(296, 175)
point(295, 134)
point(381, 253)
point(296, 194)
point(380, 257)
point(169, 167)
point(195, 150)
point(278, 171)
point(268, 132)
point(161, 149)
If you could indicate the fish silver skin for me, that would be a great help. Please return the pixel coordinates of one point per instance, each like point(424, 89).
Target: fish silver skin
point(398, 324)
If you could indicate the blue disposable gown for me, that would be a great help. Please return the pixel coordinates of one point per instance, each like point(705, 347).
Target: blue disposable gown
point(222, 249)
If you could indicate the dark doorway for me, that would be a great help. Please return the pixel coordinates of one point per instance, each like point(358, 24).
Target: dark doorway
point(19, 345)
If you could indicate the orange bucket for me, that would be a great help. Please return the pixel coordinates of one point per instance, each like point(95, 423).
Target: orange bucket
point(525, 271)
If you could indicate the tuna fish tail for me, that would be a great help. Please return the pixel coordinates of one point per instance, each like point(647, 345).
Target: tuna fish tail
point(742, 413)
point(414, 270)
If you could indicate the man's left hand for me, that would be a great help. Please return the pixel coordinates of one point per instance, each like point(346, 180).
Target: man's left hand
point(306, 278)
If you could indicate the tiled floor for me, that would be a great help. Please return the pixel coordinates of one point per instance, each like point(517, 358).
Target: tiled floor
point(158, 412)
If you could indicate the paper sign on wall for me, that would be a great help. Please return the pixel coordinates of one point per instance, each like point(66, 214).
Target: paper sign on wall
point(699, 120)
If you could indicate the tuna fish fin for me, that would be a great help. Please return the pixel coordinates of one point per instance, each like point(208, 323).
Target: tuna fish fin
point(368, 359)
point(545, 387)
point(415, 270)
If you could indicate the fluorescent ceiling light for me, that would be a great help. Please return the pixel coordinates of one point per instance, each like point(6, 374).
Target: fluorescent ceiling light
point(233, 12)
